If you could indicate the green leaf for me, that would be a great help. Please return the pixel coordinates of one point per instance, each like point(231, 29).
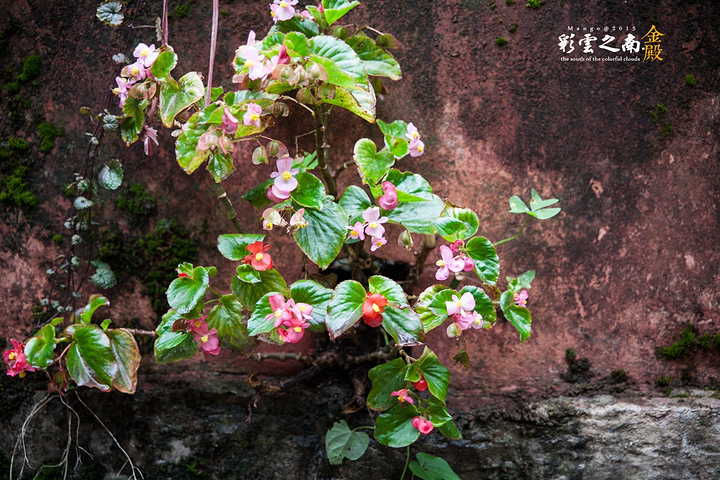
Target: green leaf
point(429, 467)
point(435, 373)
point(483, 304)
point(258, 322)
point(111, 175)
point(257, 196)
point(323, 237)
point(310, 191)
point(386, 378)
point(373, 165)
point(526, 278)
point(518, 316)
point(233, 246)
point(341, 442)
point(345, 307)
point(248, 274)
point(537, 203)
point(39, 349)
point(127, 357)
point(450, 229)
point(220, 165)
point(103, 276)
point(109, 13)
point(377, 60)
point(388, 289)
point(228, 318)
point(450, 430)
point(465, 215)
point(296, 24)
point(343, 65)
point(545, 213)
point(89, 359)
point(431, 306)
point(517, 205)
point(462, 358)
point(403, 325)
point(359, 101)
point(96, 301)
point(215, 93)
point(437, 413)
point(131, 126)
point(273, 38)
point(398, 128)
point(250, 293)
point(315, 295)
point(394, 428)
point(177, 96)
point(487, 262)
point(297, 42)
point(173, 346)
point(354, 202)
point(184, 292)
point(418, 206)
point(185, 147)
point(334, 10)
point(163, 65)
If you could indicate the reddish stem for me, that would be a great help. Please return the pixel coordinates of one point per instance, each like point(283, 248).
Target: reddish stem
point(213, 40)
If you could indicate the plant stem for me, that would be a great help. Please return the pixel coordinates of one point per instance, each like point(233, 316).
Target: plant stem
point(215, 292)
point(514, 236)
point(231, 213)
point(165, 23)
point(363, 426)
point(146, 333)
point(321, 150)
point(407, 462)
point(428, 245)
point(213, 41)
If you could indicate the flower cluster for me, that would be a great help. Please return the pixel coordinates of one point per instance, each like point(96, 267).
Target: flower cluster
point(289, 318)
point(135, 72)
point(462, 311)
point(207, 339)
point(450, 263)
point(15, 360)
point(257, 65)
point(417, 147)
point(372, 227)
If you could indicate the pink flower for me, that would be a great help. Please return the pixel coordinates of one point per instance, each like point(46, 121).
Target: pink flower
point(149, 135)
point(250, 40)
point(283, 10)
point(412, 133)
point(207, 141)
point(468, 319)
point(135, 71)
point(272, 217)
point(374, 221)
point(357, 231)
point(417, 148)
point(466, 302)
point(388, 200)
point(455, 246)
point(208, 339)
point(305, 310)
point(230, 122)
point(284, 179)
point(306, 14)
point(146, 55)
point(425, 426)
point(403, 396)
point(198, 324)
point(123, 86)
point(469, 263)
point(373, 308)
point(254, 63)
point(447, 264)
point(377, 243)
point(281, 195)
point(281, 314)
point(291, 334)
point(298, 219)
point(521, 298)
point(252, 115)
point(257, 258)
point(16, 361)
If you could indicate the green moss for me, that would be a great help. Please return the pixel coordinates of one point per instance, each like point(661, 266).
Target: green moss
point(513, 28)
point(534, 3)
point(57, 238)
point(139, 202)
point(12, 88)
point(663, 381)
point(31, 69)
point(682, 347)
point(224, 12)
point(619, 376)
point(570, 354)
point(500, 41)
point(690, 80)
point(14, 190)
point(509, 2)
point(47, 133)
point(182, 11)
point(667, 130)
point(18, 145)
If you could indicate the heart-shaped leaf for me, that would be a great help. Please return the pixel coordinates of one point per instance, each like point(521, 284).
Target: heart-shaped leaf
point(184, 292)
point(394, 428)
point(487, 262)
point(315, 295)
point(354, 202)
point(518, 316)
point(435, 373)
point(334, 10)
point(429, 467)
point(388, 289)
point(220, 165)
point(163, 65)
point(373, 165)
point(90, 359)
point(177, 96)
point(188, 157)
point(386, 378)
point(465, 215)
point(341, 443)
point(323, 237)
point(310, 191)
point(450, 229)
point(345, 307)
point(228, 318)
point(403, 325)
point(109, 13)
point(111, 175)
point(250, 293)
point(39, 350)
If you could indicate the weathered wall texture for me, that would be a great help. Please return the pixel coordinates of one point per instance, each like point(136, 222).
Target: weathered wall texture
point(632, 258)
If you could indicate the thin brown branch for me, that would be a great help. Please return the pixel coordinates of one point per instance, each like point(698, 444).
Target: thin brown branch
point(231, 212)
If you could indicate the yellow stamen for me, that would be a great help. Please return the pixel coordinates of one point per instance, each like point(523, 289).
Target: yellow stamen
point(376, 309)
point(255, 117)
point(135, 70)
point(298, 329)
point(268, 225)
point(278, 313)
point(22, 374)
point(415, 135)
point(373, 225)
point(145, 52)
point(302, 308)
point(354, 232)
point(440, 263)
point(259, 257)
point(12, 356)
point(401, 398)
point(248, 63)
point(204, 338)
point(286, 175)
point(420, 148)
point(197, 324)
point(283, 4)
point(459, 303)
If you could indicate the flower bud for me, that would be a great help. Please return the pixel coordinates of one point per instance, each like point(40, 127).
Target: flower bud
point(304, 96)
point(454, 330)
point(327, 91)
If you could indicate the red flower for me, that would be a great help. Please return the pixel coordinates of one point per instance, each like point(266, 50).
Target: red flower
point(372, 309)
point(421, 385)
point(15, 360)
point(425, 426)
point(257, 259)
